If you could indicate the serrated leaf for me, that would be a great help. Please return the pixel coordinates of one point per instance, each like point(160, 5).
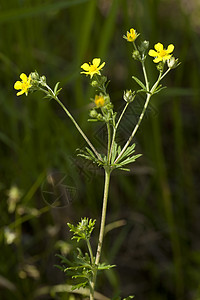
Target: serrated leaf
point(139, 82)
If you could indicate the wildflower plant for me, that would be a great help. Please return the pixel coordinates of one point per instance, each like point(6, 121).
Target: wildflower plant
point(85, 267)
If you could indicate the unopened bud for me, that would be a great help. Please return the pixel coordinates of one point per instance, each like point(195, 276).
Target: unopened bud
point(100, 117)
point(43, 80)
point(129, 96)
point(94, 83)
point(172, 63)
point(160, 66)
point(136, 55)
point(144, 46)
point(35, 76)
point(93, 113)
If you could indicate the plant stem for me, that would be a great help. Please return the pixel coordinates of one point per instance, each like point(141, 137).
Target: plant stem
point(90, 251)
point(115, 130)
point(160, 77)
point(135, 129)
point(102, 228)
point(73, 120)
point(145, 75)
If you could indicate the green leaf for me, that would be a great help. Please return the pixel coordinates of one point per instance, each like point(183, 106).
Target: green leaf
point(103, 266)
point(79, 285)
point(139, 82)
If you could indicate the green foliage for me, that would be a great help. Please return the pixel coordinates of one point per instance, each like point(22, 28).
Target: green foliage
point(83, 230)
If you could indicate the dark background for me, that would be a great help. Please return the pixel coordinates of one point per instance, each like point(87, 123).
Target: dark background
point(157, 250)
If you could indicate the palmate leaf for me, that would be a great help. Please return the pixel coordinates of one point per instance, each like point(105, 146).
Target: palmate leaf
point(127, 157)
point(89, 155)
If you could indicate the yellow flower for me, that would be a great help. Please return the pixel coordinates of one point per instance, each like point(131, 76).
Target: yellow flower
point(99, 101)
point(94, 68)
point(131, 36)
point(161, 54)
point(23, 85)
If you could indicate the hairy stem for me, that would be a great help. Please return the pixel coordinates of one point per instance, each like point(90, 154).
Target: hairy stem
point(102, 229)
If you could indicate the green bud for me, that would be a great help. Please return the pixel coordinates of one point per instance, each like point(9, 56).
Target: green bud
point(160, 66)
point(93, 113)
point(94, 83)
point(144, 46)
point(129, 96)
point(99, 117)
point(35, 76)
point(43, 80)
point(136, 55)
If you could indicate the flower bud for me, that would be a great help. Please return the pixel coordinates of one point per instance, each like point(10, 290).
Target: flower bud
point(94, 83)
point(129, 96)
point(100, 117)
point(172, 63)
point(35, 76)
point(160, 66)
point(144, 46)
point(43, 80)
point(93, 113)
point(136, 55)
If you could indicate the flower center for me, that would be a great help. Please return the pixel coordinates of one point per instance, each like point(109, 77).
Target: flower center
point(163, 53)
point(93, 68)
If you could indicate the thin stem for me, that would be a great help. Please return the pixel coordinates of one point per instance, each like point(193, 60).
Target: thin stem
point(115, 130)
point(145, 75)
point(102, 228)
point(109, 139)
point(135, 129)
point(90, 251)
point(73, 120)
point(160, 77)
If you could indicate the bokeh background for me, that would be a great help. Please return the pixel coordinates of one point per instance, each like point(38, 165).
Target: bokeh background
point(155, 243)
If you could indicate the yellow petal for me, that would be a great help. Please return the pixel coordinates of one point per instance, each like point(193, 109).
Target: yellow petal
point(18, 85)
point(23, 77)
point(153, 53)
point(96, 62)
point(158, 47)
point(101, 66)
point(85, 72)
point(20, 93)
point(157, 59)
point(85, 67)
point(167, 57)
point(170, 48)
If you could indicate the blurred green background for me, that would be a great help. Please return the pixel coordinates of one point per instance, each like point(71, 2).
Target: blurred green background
point(157, 250)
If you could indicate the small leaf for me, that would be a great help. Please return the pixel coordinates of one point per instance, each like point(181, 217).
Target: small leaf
point(139, 82)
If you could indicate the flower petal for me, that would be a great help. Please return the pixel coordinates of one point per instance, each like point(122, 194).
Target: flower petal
point(96, 62)
point(167, 57)
point(158, 47)
point(20, 92)
point(85, 67)
point(23, 77)
point(101, 66)
point(153, 53)
point(157, 59)
point(170, 48)
point(18, 85)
